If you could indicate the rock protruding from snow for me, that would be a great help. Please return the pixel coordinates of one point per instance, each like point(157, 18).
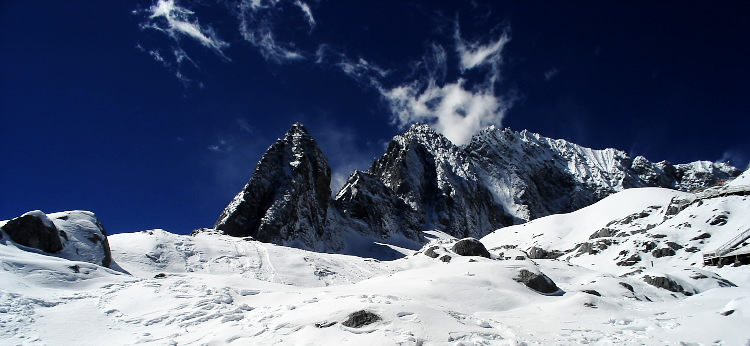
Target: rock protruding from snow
point(34, 229)
point(360, 319)
point(470, 247)
point(536, 281)
point(74, 235)
point(288, 196)
point(83, 236)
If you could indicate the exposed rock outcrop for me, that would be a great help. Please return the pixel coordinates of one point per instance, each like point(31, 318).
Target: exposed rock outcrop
point(470, 247)
point(360, 319)
point(370, 207)
point(288, 196)
point(438, 180)
point(536, 281)
point(75, 235)
point(34, 229)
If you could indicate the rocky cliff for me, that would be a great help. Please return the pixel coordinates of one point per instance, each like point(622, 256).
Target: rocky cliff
point(288, 196)
point(423, 181)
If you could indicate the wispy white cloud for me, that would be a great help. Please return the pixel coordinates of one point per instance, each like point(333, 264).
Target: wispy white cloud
point(362, 71)
point(258, 21)
point(179, 23)
point(244, 125)
point(551, 73)
point(458, 107)
point(474, 54)
point(307, 12)
point(452, 108)
point(222, 146)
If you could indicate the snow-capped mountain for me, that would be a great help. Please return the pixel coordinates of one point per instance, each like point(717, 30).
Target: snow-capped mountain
point(423, 181)
point(562, 279)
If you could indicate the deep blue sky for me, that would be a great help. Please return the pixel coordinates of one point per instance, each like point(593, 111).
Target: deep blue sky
point(98, 112)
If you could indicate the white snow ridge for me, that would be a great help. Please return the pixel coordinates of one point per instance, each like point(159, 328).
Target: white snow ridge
point(643, 266)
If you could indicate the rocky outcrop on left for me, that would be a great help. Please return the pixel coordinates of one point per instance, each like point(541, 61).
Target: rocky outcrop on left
point(34, 229)
point(75, 235)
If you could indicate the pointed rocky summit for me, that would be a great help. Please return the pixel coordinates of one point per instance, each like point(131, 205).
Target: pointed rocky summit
point(287, 197)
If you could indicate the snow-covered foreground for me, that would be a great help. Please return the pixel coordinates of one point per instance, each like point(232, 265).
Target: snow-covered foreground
point(214, 289)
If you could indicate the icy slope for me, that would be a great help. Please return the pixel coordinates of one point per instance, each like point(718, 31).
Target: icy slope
point(639, 233)
point(149, 253)
point(213, 289)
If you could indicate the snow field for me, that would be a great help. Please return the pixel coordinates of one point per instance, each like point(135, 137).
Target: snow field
point(212, 289)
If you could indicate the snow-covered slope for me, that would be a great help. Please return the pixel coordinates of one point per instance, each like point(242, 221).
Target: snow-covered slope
point(213, 289)
point(642, 233)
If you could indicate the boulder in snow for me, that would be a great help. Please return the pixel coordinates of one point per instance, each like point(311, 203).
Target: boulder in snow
point(361, 318)
point(470, 247)
point(34, 229)
point(536, 281)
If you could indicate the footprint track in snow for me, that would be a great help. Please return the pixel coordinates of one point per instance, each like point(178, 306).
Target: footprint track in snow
point(408, 317)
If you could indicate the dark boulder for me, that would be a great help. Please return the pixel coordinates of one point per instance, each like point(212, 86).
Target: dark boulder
point(34, 229)
point(630, 261)
point(665, 283)
point(431, 252)
point(537, 282)
point(663, 252)
point(628, 286)
point(360, 319)
point(470, 247)
point(702, 236)
point(604, 232)
point(592, 292)
point(539, 253)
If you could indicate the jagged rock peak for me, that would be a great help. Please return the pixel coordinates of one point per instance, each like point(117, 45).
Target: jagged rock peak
point(297, 130)
point(288, 195)
point(425, 135)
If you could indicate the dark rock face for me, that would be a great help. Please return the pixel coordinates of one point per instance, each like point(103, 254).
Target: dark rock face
point(360, 319)
point(592, 292)
point(423, 181)
point(431, 252)
point(287, 197)
point(437, 179)
point(718, 220)
point(702, 236)
point(539, 253)
point(537, 282)
point(34, 230)
point(548, 176)
point(470, 247)
point(370, 207)
point(663, 252)
point(665, 283)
